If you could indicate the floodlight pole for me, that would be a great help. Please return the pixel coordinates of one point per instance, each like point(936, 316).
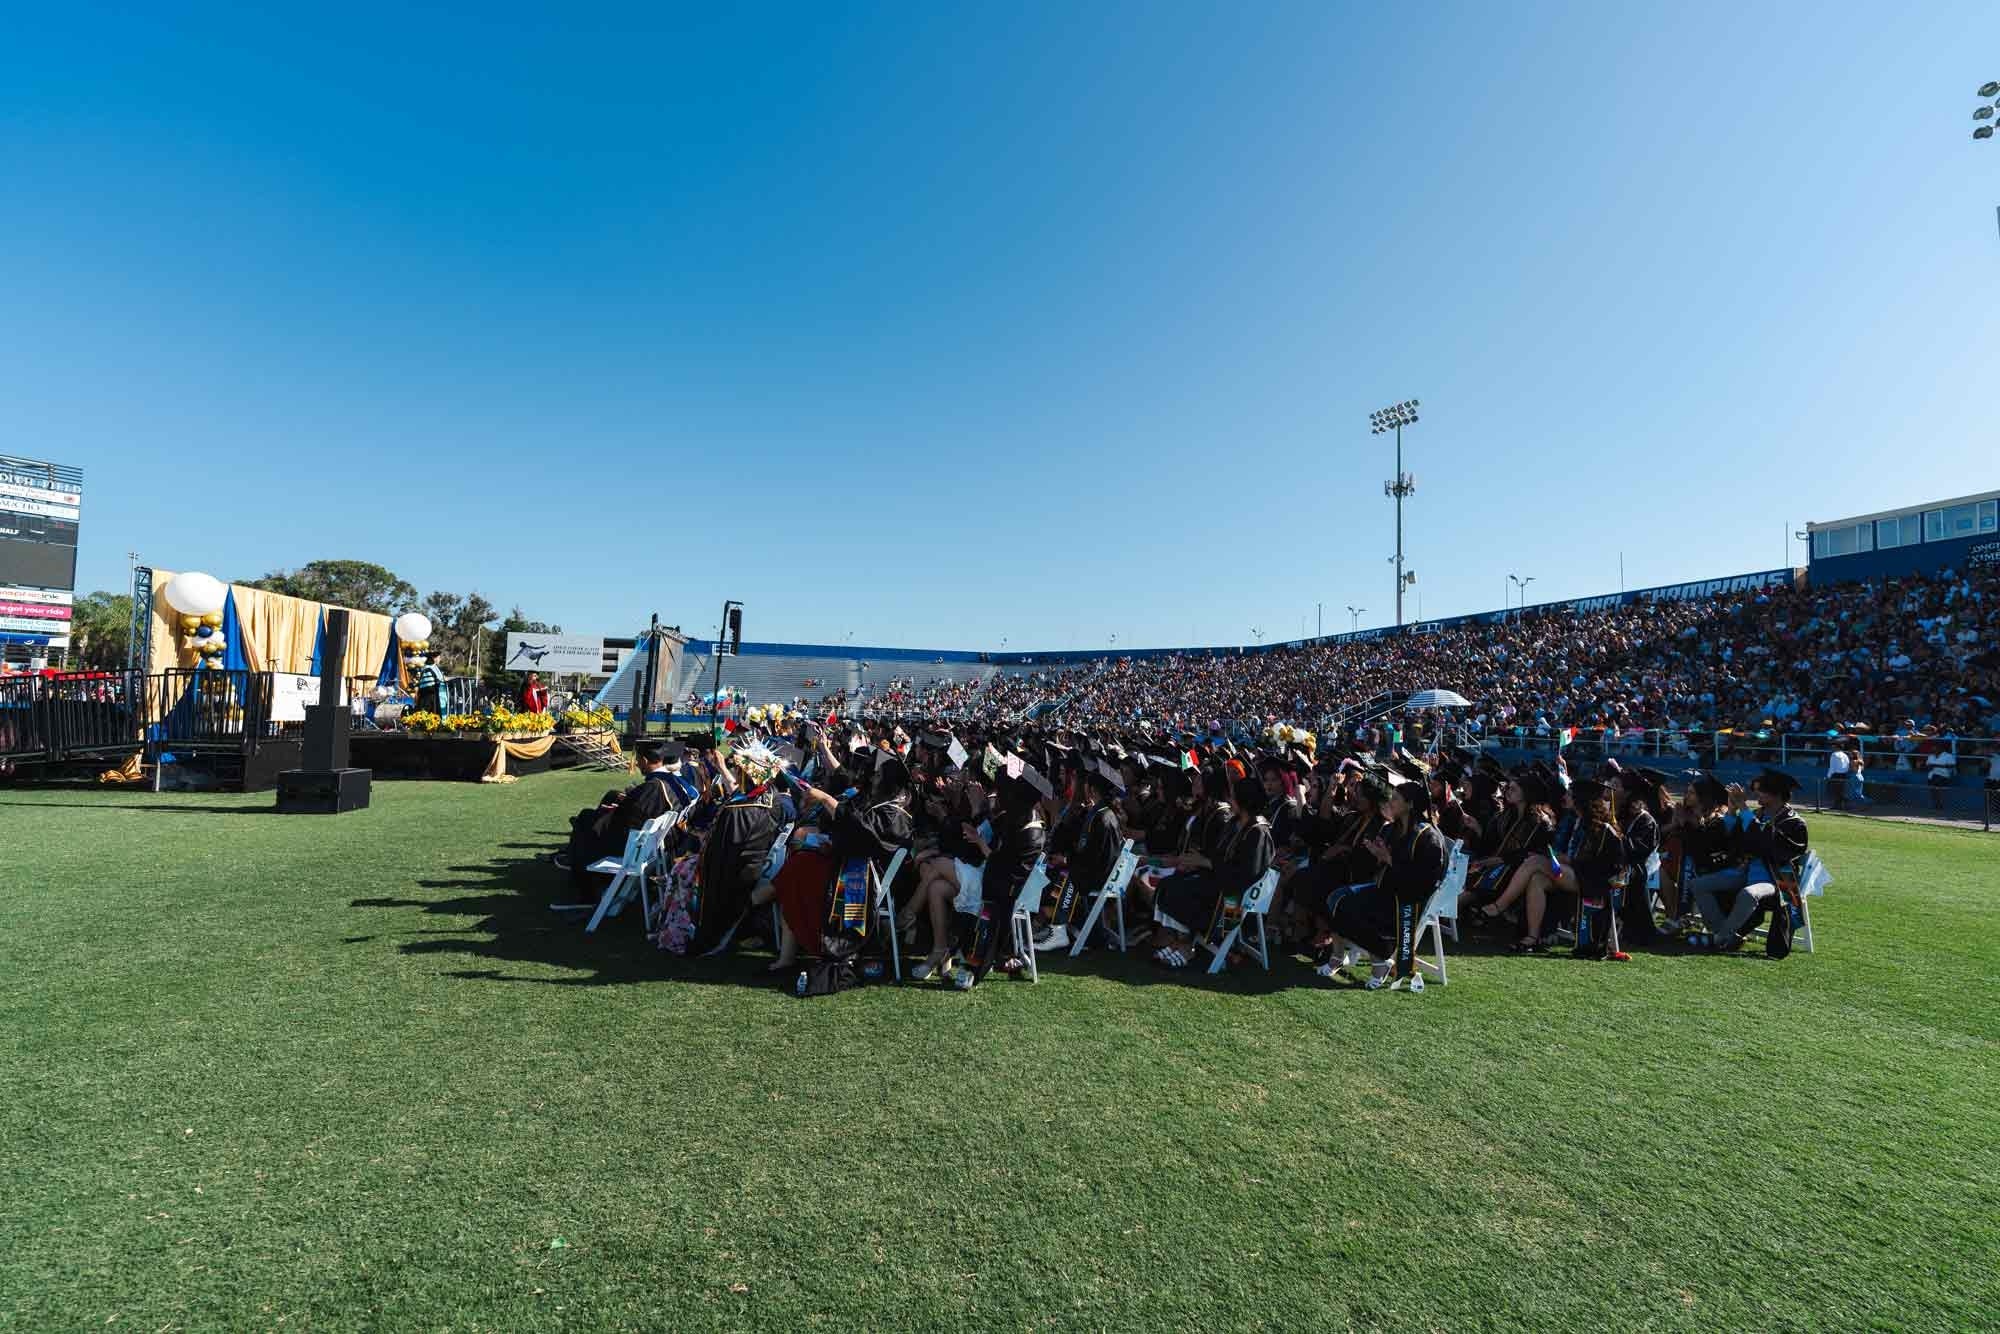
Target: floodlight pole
point(1395, 418)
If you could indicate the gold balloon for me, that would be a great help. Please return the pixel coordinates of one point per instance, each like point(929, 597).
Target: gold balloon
point(190, 624)
point(214, 619)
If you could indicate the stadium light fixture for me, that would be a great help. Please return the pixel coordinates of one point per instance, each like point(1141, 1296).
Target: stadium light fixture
point(1354, 618)
point(1524, 589)
point(1380, 422)
point(1988, 109)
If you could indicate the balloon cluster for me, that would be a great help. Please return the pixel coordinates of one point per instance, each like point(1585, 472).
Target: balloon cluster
point(197, 598)
point(413, 631)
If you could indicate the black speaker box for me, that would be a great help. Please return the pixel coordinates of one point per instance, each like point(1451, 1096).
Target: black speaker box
point(323, 791)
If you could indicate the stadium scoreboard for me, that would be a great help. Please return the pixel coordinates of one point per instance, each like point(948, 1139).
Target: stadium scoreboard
point(41, 504)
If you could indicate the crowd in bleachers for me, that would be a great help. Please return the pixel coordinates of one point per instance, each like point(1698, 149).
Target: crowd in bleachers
point(1879, 657)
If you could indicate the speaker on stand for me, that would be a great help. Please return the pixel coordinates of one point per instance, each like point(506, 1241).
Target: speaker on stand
point(326, 785)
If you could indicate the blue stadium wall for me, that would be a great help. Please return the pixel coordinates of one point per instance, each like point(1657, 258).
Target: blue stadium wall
point(955, 662)
point(1963, 554)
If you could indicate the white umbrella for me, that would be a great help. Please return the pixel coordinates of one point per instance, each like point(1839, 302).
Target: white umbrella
point(1437, 699)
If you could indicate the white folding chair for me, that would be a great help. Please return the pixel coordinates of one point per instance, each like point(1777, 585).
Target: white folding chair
point(1256, 903)
point(1022, 922)
point(628, 872)
point(1113, 892)
point(1457, 868)
point(1813, 881)
point(885, 907)
point(1442, 903)
point(774, 863)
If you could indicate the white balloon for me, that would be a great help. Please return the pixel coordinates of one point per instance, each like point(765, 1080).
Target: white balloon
point(413, 627)
point(195, 593)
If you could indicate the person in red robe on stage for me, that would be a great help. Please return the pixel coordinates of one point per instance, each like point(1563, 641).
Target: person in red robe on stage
point(535, 695)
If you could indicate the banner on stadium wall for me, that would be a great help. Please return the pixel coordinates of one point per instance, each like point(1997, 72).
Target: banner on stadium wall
point(1699, 588)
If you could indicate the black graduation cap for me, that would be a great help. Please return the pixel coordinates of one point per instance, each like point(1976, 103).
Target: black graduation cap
point(1375, 790)
point(1584, 791)
point(699, 741)
point(1418, 796)
point(890, 769)
point(935, 740)
point(1777, 781)
point(1109, 773)
point(1710, 789)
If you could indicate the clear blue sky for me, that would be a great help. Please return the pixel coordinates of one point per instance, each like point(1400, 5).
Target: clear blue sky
point(944, 323)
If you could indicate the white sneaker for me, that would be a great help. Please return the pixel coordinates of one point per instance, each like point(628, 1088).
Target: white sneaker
point(1052, 938)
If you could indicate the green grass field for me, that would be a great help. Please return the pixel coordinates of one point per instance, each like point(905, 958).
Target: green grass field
point(270, 1072)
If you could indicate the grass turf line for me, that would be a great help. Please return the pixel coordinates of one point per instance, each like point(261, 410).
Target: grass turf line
point(350, 1072)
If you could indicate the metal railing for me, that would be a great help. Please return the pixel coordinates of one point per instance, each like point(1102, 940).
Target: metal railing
point(1957, 801)
point(55, 718)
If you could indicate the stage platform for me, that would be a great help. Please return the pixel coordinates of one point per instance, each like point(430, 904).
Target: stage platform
point(454, 759)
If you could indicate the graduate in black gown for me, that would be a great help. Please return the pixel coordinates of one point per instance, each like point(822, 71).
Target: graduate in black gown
point(1093, 851)
point(1643, 806)
point(822, 890)
point(1020, 839)
point(744, 825)
point(1382, 918)
point(600, 831)
point(1190, 905)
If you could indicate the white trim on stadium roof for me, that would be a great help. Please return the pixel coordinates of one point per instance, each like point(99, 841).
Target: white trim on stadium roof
point(1901, 510)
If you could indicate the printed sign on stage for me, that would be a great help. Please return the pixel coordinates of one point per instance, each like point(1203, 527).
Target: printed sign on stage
point(291, 692)
point(564, 655)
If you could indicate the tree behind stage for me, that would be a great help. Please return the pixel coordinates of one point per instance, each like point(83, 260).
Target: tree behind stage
point(362, 585)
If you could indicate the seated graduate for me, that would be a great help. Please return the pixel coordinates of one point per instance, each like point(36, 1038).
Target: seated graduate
point(949, 881)
point(1766, 847)
point(1092, 855)
point(1021, 837)
point(1190, 904)
point(743, 823)
point(1206, 819)
point(1700, 841)
point(1495, 883)
point(601, 830)
point(1344, 863)
point(1381, 918)
point(1642, 805)
point(822, 890)
point(1593, 871)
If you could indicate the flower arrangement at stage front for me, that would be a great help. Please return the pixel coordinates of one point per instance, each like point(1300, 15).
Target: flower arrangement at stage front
point(500, 720)
point(592, 719)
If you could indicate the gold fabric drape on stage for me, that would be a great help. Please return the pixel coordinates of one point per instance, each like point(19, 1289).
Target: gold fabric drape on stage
point(277, 632)
point(496, 768)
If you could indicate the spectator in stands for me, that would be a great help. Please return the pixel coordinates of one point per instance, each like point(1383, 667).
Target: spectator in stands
point(1838, 766)
point(1940, 769)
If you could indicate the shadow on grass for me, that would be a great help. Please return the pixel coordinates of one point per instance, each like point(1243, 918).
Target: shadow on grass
point(152, 808)
point(515, 926)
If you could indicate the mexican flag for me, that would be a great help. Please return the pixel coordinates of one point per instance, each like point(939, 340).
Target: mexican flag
point(1564, 737)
